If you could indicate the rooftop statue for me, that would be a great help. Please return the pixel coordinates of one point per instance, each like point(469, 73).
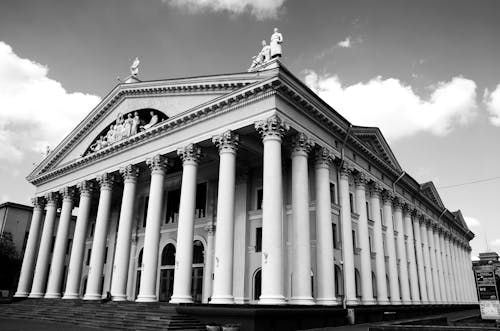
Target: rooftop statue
point(276, 41)
point(263, 56)
point(268, 52)
point(134, 68)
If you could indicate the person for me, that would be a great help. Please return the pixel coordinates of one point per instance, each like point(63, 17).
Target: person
point(153, 121)
point(262, 57)
point(276, 41)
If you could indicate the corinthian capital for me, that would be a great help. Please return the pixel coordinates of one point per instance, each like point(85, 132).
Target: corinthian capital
point(189, 154)
point(323, 157)
point(301, 143)
point(375, 189)
point(68, 193)
point(129, 172)
point(360, 179)
point(38, 202)
point(52, 198)
point(106, 181)
point(227, 142)
point(85, 187)
point(397, 204)
point(387, 196)
point(345, 169)
point(273, 126)
point(157, 163)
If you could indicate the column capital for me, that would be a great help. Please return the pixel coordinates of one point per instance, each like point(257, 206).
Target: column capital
point(272, 127)
point(397, 204)
point(129, 172)
point(190, 153)
point(105, 181)
point(375, 189)
point(226, 142)
point(157, 164)
point(68, 193)
point(323, 158)
point(387, 197)
point(345, 169)
point(407, 209)
point(85, 187)
point(52, 198)
point(301, 144)
point(38, 202)
point(360, 179)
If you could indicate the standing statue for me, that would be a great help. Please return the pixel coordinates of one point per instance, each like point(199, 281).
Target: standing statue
point(153, 121)
point(134, 68)
point(263, 56)
point(136, 121)
point(276, 41)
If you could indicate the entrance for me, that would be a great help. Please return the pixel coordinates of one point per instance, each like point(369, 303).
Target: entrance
point(167, 272)
point(197, 273)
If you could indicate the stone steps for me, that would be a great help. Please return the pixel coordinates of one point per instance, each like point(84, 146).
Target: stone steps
point(110, 315)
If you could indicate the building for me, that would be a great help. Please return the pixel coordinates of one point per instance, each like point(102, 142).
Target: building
point(238, 188)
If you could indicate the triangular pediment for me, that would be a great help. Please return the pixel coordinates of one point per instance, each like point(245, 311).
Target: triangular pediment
point(429, 190)
point(166, 98)
point(375, 141)
point(459, 218)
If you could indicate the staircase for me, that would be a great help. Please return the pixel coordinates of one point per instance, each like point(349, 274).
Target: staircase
point(110, 315)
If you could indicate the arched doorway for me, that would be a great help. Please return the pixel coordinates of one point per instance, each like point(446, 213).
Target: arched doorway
point(139, 269)
point(197, 271)
point(257, 284)
point(167, 272)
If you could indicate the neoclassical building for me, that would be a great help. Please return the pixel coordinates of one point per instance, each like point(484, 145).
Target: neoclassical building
point(238, 188)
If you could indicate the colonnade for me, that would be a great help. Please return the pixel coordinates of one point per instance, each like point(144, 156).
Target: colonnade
point(425, 262)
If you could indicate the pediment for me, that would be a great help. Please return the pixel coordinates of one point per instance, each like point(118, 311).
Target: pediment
point(429, 190)
point(459, 218)
point(168, 99)
point(375, 141)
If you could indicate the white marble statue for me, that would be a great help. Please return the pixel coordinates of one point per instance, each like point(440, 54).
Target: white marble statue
point(110, 136)
point(263, 56)
point(127, 126)
point(134, 68)
point(276, 41)
point(153, 121)
point(136, 121)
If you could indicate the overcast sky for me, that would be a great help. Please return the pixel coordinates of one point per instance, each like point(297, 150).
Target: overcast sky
point(426, 72)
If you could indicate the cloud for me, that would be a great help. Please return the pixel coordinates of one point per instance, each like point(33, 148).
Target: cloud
point(346, 43)
point(261, 9)
point(472, 222)
point(492, 101)
point(35, 111)
point(395, 108)
point(495, 243)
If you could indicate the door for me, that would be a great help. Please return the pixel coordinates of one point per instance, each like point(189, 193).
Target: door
point(166, 284)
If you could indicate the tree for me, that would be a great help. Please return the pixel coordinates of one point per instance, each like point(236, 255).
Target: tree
point(10, 262)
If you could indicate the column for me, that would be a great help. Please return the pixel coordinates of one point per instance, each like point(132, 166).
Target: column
point(427, 259)
point(365, 265)
point(346, 227)
point(432, 255)
point(401, 253)
point(440, 264)
point(387, 198)
point(123, 241)
point(272, 131)
point(464, 270)
point(42, 262)
point(451, 268)
point(147, 289)
point(446, 270)
point(92, 292)
point(325, 267)
point(420, 260)
point(209, 263)
point(57, 265)
point(456, 270)
point(375, 191)
point(190, 156)
point(461, 272)
point(72, 290)
point(28, 266)
point(301, 246)
point(413, 272)
point(227, 143)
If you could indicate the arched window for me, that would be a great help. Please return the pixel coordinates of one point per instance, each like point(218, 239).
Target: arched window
point(357, 280)
point(257, 284)
point(374, 285)
point(197, 271)
point(198, 252)
point(339, 282)
point(168, 255)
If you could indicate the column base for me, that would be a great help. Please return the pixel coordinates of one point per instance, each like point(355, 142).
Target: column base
point(52, 296)
point(396, 302)
point(146, 298)
point(383, 302)
point(21, 295)
point(328, 301)
point(93, 296)
point(241, 300)
point(301, 301)
point(368, 302)
point(71, 296)
point(222, 299)
point(352, 302)
point(36, 295)
point(407, 302)
point(118, 297)
point(272, 300)
point(181, 299)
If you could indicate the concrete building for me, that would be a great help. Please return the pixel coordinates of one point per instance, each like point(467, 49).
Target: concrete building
point(238, 188)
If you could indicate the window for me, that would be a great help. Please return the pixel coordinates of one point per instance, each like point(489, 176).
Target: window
point(201, 200)
point(258, 240)
point(260, 196)
point(339, 282)
point(168, 255)
point(145, 211)
point(68, 246)
point(370, 243)
point(333, 193)
point(351, 202)
point(198, 252)
point(368, 210)
point(357, 281)
point(106, 255)
point(88, 256)
point(91, 231)
point(53, 243)
point(354, 245)
point(374, 285)
point(173, 201)
point(334, 232)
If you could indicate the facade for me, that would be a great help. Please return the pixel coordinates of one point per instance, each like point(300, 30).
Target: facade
point(238, 188)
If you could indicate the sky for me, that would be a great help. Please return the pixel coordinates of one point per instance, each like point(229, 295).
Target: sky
point(425, 72)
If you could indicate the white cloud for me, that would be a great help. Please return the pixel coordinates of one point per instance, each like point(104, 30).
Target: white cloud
point(492, 101)
point(395, 108)
point(346, 43)
point(35, 111)
point(495, 243)
point(261, 9)
point(472, 222)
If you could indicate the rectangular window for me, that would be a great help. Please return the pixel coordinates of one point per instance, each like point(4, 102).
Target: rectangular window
point(354, 244)
point(351, 202)
point(173, 201)
point(368, 210)
point(333, 193)
point(145, 211)
point(370, 243)
point(334, 232)
point(91, 230)
point(89, 251)
point(68, 246)
point(201, 200)
point(260, 196)
point(258, 240)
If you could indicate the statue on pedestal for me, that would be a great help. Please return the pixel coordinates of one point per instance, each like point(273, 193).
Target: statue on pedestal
point(263, 56)
point(268, 52)
point(276, 41)
point(134, 68)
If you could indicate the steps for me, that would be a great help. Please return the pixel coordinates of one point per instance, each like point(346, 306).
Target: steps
point(110, 315)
